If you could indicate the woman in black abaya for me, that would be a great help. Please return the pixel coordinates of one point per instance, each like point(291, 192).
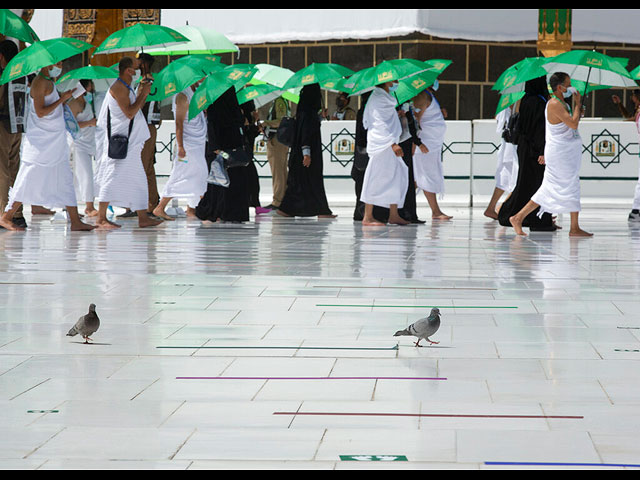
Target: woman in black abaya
point(531, 140)
point(305, 195)
point(224, 126)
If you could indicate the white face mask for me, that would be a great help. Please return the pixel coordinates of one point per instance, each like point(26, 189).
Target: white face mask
point(570, 91)
point(55, 71)
point(393, 87)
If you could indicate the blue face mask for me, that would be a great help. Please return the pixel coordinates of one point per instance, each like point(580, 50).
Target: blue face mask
point(393, 87)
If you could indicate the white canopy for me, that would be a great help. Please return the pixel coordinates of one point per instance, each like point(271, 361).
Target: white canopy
point(282, 25)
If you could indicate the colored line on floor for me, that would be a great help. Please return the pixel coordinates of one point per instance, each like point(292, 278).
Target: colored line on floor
point(27, 283)
point(409, 306)
point(310, 378)
point(405, 288)
point(230, 347)
point(568, 464)
point(432, 415)
point(625, 350)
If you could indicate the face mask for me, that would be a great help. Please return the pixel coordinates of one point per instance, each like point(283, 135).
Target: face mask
point(435, 86)
point(55, 71)
point(393, 87)
point(570, 91)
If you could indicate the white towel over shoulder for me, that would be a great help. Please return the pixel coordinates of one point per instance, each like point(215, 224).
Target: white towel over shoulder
point(45, 176)
point(123, 182)
point(560, 188)
point(387, 177)
point(188, 177)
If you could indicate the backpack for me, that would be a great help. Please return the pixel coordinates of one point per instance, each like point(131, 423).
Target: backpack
point(286, 131)
point(510, 133)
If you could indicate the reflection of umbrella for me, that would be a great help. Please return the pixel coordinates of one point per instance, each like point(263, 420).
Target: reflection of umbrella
point(199, 40)
point(181, 74)
point(42, 54)
point(591, 67)
point(140, 35)
point(11, 25)
point(321, 73)
point(208, 92)
point(513, 79)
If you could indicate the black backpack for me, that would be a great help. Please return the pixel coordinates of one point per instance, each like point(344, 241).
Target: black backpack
point(510, 132)
point(286, 131)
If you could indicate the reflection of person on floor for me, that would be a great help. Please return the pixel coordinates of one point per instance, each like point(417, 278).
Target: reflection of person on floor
point(560, 189)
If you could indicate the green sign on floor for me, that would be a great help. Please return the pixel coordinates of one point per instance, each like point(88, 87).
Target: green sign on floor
point(373, 458)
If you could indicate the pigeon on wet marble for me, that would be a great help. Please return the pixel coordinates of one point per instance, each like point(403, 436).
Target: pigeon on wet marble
point(423, 328)
point(86, 325)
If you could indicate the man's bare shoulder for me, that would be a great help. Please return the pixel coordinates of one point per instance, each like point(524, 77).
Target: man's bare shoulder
point(41, 86)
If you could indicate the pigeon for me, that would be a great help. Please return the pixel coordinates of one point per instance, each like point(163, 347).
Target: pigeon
point(423, 328)
point(86, 325)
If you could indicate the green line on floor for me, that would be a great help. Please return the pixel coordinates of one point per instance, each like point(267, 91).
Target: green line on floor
point(409, 306)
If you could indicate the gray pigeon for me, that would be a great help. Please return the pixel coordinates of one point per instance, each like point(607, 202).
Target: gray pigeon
point(86, 325)
point(423, 328)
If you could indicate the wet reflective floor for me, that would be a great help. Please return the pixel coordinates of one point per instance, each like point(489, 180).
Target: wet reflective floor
point(270, 345)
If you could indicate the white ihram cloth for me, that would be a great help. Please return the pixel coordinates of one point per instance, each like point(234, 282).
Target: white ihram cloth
point(84, 149)
point(507, 167)
point(387, 176)
point(45, 176)
point(560, 188)
point(188, 177)
point(123, 182)
point(427, 167)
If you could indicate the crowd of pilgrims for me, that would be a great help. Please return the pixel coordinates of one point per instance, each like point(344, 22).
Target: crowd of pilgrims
point(398, 152)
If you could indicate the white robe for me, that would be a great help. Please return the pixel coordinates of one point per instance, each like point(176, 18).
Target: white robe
point(427, 167)
point(84, 149)
point(123, 182)
point(636, 197)
point(188, 177)
point(45, 176)
point(507, 165)
point(560, 188)
point(387, 176)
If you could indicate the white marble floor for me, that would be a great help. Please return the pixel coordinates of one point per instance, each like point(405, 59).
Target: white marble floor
point(270, 345)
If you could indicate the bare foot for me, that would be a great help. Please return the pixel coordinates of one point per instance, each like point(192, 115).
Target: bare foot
point(372, 222)
point(191, 213)
point(491, 214)
point(91, 213)
point(327, 216)
point(82, 227)
point(517, 226)
point(398, 221)
point(282, 214)
point(441, 216)
point(38, 210)
point(158, 212)
point(579, 233)
point(148, 222)
point(9, 225)
point(107, 225)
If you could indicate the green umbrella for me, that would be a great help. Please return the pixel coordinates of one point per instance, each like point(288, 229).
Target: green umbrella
point(199, 40)
point(386, 71)
point(514, 78)
point(140, 35)
point(322, 73)
point(438, 65)
point(89, 72)
point(240, 74)
point(591, 67)
point(209, 90)
point(11, 25)
point(509, 99)
point(42, 54)
point(181, 74)
point(264, 93)
point(411, 86)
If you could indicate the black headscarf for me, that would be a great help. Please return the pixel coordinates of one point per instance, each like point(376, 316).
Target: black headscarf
point(310, 99)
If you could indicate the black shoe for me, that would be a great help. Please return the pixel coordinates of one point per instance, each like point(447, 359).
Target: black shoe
point(129, 214)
